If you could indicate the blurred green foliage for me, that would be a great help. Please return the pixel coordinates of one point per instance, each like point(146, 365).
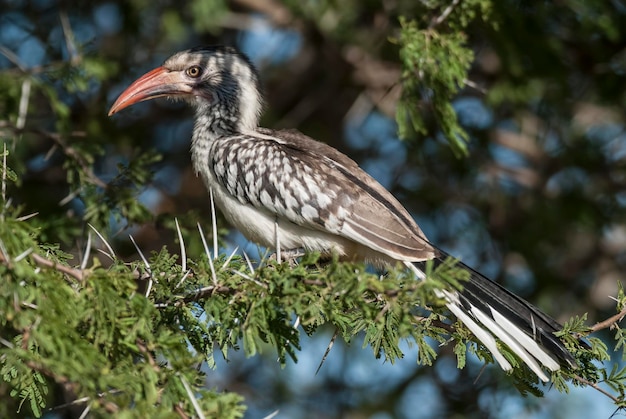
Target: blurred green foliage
point(81, 329)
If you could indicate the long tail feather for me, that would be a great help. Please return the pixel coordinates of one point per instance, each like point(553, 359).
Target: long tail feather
point(490, 311)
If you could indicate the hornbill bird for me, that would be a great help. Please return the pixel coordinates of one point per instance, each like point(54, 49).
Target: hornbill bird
point(282, 188)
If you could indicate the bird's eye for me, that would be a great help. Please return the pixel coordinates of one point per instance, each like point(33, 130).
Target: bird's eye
point(194, 71)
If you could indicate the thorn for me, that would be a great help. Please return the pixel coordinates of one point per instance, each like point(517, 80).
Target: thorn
point(183, 253)
point(111, 253)
point(69, 197)
point(23, 254)
point(229, 258)
point(328, 348)
point(6, 343)
point(213, 223)
point(4, 177)
point(23, 106)
point(143, 258)
point(245, 255)
point(192, 398)
point(145, 261)
point(83, 264)
point(272, 415)
point(69, 37)
point(248, 277)
point(264, 257)
point(183, 279)
point(480, 373)
point(26, 217)
point(149, 288)
point(3, 250)
point(208, 254)
point(11, 56)
point(85, 412)
point(204, 243)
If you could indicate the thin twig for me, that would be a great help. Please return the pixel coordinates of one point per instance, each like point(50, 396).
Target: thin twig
point(609, 322)
point(439, 19)
point(141, 345)
point(597, 387)
point(70, 44)
point(43, 262)
point(11, 56)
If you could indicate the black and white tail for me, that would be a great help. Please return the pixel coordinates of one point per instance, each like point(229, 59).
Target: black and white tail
point(490, 311)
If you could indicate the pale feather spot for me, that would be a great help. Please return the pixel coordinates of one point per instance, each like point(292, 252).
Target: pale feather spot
point(249, 178)
point(290, 201)
point(323, 200)
point(309, 213)
point(266, 199)
point(291, 214)
point(220, 169)
point(332, 223)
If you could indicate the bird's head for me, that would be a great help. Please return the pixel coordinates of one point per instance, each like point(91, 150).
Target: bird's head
point(218, 81)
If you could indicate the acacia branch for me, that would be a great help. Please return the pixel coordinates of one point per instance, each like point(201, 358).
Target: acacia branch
point(610, 322)
point(597, 387)
point(41, 261)
point(46, 263)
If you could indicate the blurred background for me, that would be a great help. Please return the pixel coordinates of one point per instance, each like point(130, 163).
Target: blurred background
point(538, 204)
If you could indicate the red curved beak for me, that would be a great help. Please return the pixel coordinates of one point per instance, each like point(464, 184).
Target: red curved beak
point(156, 83)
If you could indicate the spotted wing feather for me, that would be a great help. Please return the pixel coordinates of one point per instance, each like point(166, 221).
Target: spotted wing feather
point(313, 185)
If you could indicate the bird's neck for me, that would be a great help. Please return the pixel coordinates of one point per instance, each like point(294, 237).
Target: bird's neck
point(227, 115)
point(221, 119)
point(230, 111)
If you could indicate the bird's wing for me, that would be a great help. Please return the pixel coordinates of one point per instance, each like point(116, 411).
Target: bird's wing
point(315, 186)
